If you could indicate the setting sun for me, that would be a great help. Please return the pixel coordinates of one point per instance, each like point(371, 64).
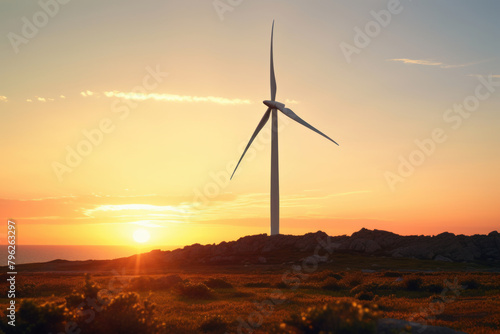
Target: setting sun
point(141, 235)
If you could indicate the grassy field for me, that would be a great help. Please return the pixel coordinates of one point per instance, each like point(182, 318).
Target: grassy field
point(264, 299)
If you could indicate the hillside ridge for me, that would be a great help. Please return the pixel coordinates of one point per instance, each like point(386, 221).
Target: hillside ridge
point(263, 249)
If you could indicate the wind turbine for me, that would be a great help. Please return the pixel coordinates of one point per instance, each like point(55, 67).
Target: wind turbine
point(272, 110)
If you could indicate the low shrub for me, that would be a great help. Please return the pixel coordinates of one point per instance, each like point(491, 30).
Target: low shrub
point(85, 311)
point(218, 283)
point(340, 317)
point(434, 288)
point(307, 286)
point(89, 290)
point(123, 313)
point(194, 290)
point(241, 294)
point(354, 279)
point(364, 295)
point(167, 282)
point(26, 290)
point(140, 283)
point(413, 283)
point(257, 285)
point(281, 285)
point(392, 274)
point(470, 284)
point(32, 318)
point(370, 287)
point(145, 283)
point(331, 284)
point(325, 274)
point(214, 325)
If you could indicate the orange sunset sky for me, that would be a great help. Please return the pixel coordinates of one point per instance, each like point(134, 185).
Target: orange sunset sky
point(162, 96)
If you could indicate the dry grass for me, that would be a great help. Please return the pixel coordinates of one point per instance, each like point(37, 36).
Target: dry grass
point(264, 306)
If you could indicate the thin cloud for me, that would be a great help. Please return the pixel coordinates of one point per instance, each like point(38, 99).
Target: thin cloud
point(351, 193)
point(430, 63)
point(152, 96)
point(3, 98)
point(482, 76)
point(417, 62)
point(259, 202)
point(134, 207)
point(41, 99)
point(175, 98)
point(89, 209)
point(46, 198)
point(87, 93)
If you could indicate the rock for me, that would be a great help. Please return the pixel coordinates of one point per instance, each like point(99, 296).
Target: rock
point(396, 254)
point(372, 246)
point(445, 235)
point(317, 247)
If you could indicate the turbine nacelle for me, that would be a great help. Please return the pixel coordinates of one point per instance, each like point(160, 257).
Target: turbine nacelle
point(274, 104)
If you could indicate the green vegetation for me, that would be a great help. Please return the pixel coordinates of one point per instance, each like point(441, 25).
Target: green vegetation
point(258, 285)
point(225, 301)
point(87, 311)
point(413, 283)
point(470, 283)
point(365, 295)
point(218, 283)
point(214, 325)
point(332, 284)
point(146, 283)
point(194, 291)
point(339, 317)
point(392, 274)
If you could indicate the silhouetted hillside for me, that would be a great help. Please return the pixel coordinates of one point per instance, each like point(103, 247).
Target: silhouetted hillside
point(280, 249)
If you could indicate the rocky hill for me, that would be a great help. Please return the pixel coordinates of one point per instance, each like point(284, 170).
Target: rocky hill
point(280, 249)
point(443, 247)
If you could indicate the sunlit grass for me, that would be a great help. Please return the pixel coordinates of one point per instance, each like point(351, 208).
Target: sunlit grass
point(233, 296)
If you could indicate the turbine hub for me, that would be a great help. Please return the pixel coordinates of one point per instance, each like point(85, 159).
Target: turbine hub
point(274, 104)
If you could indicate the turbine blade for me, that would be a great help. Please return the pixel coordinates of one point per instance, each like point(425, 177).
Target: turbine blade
point(273, 78)
point(262, 122)
point(299, 120)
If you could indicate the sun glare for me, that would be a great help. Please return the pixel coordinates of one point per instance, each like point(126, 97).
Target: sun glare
point(141, 235)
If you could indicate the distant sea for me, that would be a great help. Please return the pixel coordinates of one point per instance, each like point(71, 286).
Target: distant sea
point(45, 253)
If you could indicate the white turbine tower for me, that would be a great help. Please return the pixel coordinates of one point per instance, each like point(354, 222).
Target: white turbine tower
point(273, 107)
